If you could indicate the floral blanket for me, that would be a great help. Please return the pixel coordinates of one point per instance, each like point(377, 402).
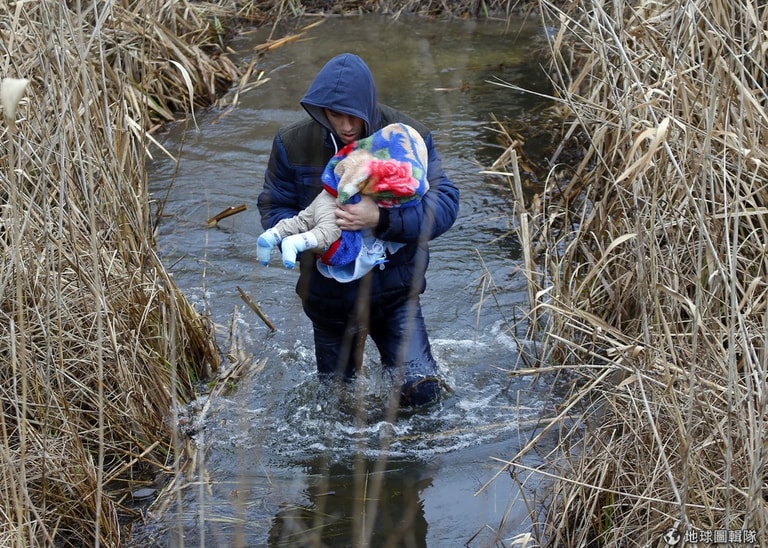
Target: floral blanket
point(391, 167)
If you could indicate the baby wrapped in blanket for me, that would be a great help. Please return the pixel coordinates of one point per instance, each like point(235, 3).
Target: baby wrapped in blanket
point(391, 167)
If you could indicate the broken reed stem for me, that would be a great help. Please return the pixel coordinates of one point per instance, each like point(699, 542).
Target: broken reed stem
point(526, 243)
point(253, 306)
point(228, 212)
point(18, 350)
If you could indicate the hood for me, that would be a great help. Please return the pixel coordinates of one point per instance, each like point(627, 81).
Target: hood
point(345, 84)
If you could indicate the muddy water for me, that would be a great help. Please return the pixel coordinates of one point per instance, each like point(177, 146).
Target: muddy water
point(287, 461)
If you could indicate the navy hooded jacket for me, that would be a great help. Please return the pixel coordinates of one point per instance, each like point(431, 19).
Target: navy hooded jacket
point(292, 180)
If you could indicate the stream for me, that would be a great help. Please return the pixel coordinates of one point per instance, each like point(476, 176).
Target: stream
point(285, 460)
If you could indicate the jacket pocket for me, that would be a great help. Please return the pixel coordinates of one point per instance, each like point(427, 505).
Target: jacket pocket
point(310, 185)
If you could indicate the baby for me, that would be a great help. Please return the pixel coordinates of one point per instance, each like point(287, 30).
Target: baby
point(391, 167)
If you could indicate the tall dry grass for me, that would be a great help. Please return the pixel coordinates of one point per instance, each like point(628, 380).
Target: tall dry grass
point(652, 281)
point(281, 11)
point(96, 342)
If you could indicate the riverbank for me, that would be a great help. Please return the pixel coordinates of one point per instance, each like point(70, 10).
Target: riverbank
point(98, 346)
point(650, 282)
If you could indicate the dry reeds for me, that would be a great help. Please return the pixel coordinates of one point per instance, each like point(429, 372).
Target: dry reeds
point(280, 10)
point(96, 342)
point(652, 281)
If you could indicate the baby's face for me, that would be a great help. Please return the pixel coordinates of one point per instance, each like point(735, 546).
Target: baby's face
point(353, 173)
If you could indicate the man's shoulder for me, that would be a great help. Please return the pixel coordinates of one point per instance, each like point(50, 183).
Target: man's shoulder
point(303, 142)
point(305, 128)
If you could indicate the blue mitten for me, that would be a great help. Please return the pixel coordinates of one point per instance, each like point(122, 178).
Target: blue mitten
point(264, 245)
point(293, 245)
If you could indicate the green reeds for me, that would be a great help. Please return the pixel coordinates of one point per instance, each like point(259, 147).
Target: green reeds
point(652, 279)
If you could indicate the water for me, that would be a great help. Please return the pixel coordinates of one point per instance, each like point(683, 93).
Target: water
point(284, 457)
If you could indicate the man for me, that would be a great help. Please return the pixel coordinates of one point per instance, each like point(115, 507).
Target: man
point(343, 107)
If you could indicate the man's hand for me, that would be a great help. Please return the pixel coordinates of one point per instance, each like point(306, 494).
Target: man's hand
point(364, 214)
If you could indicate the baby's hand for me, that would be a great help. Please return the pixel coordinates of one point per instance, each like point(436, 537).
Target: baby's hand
point(293, 245)
point(264, 245)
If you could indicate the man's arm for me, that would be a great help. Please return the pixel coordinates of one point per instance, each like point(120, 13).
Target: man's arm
point(279, 199)
point(435, 213)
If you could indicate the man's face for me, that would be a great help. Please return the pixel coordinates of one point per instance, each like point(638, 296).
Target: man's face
point(348, 128)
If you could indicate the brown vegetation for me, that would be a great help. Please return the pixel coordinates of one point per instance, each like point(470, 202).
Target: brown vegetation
point(96, 342)
point(651, 281)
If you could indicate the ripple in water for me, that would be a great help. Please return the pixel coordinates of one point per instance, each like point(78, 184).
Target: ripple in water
point(296, 415)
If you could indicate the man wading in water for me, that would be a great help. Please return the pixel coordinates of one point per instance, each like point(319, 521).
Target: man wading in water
point(385, 304)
